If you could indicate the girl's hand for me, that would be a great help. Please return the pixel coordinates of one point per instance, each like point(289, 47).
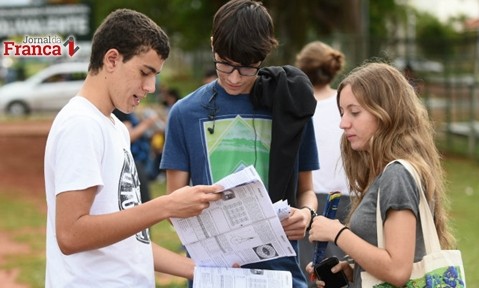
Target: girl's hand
point(342, 265)
point(324, 229)
point(312, 276)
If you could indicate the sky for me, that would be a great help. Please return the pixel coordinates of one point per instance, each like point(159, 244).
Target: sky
point(444, 9)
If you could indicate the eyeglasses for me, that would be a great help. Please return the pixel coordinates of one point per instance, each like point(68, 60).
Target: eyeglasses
point(242, 70)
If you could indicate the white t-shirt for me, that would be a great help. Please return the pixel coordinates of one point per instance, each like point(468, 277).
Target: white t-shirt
point(330, 176)
point(85, 149)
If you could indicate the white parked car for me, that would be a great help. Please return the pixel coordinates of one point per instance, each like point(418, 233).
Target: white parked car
point(48, 90)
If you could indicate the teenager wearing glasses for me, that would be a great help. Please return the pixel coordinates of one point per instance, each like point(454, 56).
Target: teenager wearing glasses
point(248, 116)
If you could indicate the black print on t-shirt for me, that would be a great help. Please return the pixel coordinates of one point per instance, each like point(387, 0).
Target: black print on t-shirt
point(129, 191)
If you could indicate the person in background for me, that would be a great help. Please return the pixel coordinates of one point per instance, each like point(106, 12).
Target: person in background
point(231, 123)
point(140, 146)
point(383, 120)
point(97, 227)
point(169, 97)
point(413, 79)
point(321, 63)
point(209, 75)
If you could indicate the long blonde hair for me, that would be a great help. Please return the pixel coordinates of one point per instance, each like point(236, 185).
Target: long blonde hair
point(404, 132)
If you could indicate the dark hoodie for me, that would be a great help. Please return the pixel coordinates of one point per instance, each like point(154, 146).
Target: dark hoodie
point(288, 93)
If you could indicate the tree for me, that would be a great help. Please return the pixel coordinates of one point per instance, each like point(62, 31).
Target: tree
point(433, 37)
point(188, 22)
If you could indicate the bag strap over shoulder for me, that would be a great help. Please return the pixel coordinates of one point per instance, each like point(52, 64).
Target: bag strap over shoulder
point(431, 239)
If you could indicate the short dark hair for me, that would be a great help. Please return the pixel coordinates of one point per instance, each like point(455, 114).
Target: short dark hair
point(243, 32)
point(174, 93)
point(131, 33)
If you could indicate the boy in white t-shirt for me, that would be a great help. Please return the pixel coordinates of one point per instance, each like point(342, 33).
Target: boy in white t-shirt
point(97, 227)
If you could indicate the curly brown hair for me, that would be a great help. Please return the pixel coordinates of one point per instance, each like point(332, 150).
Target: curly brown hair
point(131, 33)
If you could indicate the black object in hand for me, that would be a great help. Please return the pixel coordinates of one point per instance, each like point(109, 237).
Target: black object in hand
point(332, 280)
point(329, 212)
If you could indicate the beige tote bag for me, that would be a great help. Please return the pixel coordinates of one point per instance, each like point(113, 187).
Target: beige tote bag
point(438, 268)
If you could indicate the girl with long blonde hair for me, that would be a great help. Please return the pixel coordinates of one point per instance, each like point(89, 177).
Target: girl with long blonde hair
point(384, 120)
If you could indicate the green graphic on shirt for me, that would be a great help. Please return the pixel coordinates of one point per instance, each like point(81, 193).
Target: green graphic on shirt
point(232, 146)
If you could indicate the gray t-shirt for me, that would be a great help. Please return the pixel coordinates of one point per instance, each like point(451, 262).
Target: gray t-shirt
point(398, 192)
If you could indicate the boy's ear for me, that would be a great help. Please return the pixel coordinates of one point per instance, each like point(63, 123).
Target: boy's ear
point(211, 43)
point(111, 59)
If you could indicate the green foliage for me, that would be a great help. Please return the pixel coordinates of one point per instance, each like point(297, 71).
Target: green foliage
point(184, 82)
point(188, 22)
point(383, 16)
point(433, 37)
point(190, 26)
point(380, 12)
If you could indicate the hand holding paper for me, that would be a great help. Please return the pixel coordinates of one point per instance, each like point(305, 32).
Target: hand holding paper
point(242, 227)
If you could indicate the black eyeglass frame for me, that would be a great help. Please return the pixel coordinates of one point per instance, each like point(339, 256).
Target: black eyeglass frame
point(236, 67)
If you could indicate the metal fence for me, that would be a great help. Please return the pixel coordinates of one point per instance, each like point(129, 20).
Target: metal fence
point(448, 84)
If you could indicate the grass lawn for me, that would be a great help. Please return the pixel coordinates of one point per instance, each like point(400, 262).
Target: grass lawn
point(463, 189)
point(20, 219)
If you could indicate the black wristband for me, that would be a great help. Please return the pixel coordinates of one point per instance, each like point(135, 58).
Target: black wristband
point(313, 214)
point(339, 233)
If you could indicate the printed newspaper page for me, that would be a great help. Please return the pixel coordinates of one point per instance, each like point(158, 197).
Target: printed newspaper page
point(221, 277)
point(241, 228)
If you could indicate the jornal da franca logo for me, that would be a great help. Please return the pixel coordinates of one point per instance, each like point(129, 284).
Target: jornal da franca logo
point(37, 46)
